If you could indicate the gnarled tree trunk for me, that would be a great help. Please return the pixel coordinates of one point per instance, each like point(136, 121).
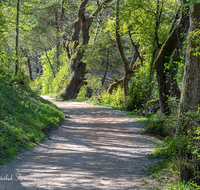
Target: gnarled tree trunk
point(77, 68)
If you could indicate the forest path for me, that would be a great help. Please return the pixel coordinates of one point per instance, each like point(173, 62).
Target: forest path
point(96, 148)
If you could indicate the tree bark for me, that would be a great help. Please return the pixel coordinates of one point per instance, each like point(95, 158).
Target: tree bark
point(190, 93)
point(77, 68)
point(114, 85)
point(164, 55)
point(66, 46)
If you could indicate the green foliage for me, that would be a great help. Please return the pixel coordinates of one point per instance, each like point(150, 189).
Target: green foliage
point(104, 48)
point(81, 94)
point(115, 99)
point(94, 83)
point(192, 2)
point(183, 186)
point(36, 85)
point(24, 117)
point(59, 81)
point(47, 83)
point(47, 76)
point(138, 89)
point(194, 35)
point(179, 146)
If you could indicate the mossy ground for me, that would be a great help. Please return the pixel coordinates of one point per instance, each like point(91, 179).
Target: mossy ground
point(24, 118)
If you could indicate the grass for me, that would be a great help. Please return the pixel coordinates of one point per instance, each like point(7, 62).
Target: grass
point(24, 118)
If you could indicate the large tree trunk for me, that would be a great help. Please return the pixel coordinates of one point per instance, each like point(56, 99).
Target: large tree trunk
point(163, 57)
point(190, 94)
point(77, 68)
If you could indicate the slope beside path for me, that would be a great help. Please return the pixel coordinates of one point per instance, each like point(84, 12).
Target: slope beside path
point(95, 148)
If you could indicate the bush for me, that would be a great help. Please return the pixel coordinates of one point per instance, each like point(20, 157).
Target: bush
point(115, 99)
point(180, 145)
point(138, 89)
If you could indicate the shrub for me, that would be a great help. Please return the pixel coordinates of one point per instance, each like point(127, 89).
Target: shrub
point(138, 89)
point(115, 99)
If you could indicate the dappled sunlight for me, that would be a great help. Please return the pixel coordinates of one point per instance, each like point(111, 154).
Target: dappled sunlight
point(96, 148)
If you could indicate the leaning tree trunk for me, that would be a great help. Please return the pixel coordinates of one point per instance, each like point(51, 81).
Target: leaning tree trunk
point(163, 57)
point(77, 68)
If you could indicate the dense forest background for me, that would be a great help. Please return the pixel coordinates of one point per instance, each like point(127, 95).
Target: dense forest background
point(139, 55)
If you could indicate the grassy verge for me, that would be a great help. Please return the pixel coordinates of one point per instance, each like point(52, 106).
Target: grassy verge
point(24, 118)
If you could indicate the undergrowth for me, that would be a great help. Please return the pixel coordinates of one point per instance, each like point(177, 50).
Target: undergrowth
point(179, 151)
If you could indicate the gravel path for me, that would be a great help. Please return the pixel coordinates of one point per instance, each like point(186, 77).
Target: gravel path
point(96, 148)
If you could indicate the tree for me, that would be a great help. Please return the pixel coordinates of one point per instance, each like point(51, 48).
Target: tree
point(190, 93)
point(102, 56)
point(164, 57)
point(128, 72)
point(77, 68)
point(149, 30)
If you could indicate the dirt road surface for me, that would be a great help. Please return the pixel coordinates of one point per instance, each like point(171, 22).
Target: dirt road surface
point(96, 148)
